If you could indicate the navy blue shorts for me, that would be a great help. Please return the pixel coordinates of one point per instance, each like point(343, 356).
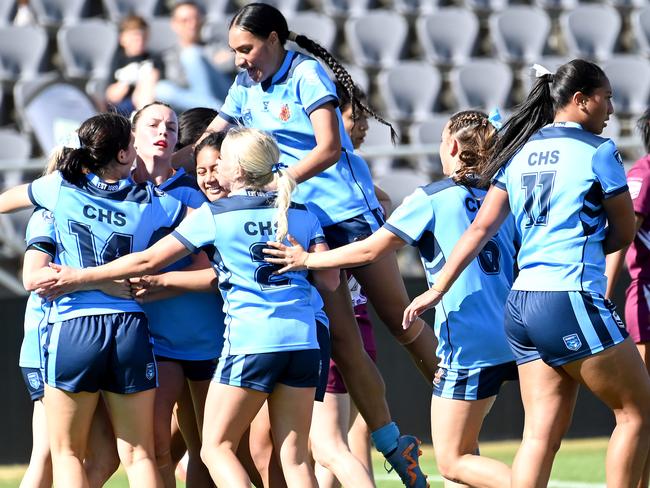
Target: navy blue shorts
point(353, 229)
point(560, 326)
point(323, 334)
point(261, 372)
point(194, 370)
point(111, 352)
point(474, 383)
point(34, 381)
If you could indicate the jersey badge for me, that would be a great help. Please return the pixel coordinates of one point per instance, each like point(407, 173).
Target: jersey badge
point(618, 157)
point(48, 217)
point(151, 371)
point(572, 342)
point(265, 105)
point(285, 113)
point(440, 373)
point(34, 380)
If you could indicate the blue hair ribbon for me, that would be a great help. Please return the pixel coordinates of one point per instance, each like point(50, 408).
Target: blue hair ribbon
point(495, 119)
point(277, 167)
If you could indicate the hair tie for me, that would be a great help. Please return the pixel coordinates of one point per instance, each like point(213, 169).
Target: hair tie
point(495, 119)
point(292, 36)
point(71, 140)
point(541, 71)
point(277, 167)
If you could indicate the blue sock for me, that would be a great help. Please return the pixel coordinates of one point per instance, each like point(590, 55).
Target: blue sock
point(385, 438)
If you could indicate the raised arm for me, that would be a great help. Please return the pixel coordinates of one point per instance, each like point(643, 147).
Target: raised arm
point(493, 212)
point(184, 157)
point(366, 251)
point(16, 198)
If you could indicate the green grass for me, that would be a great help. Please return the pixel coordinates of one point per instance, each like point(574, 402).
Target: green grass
point(579, 461)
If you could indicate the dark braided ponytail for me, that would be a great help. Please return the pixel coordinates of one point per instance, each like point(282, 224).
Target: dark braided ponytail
point(260, 19)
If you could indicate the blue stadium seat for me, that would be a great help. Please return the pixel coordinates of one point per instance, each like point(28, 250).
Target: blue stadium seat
point(519, 33)
point(57, 12)
point(22, 50)
point(87, 48)
point(482, 83)
point(118, 9)
point(591, 31)
point(377, 38)
point(409, 90)
point(448, 35)
point(629, 76)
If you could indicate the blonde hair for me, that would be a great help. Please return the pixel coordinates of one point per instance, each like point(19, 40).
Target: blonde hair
point(257, 155)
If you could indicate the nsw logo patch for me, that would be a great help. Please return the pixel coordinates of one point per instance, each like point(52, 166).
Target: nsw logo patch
point(34, 380)
point(151, 371)
point(572, 342)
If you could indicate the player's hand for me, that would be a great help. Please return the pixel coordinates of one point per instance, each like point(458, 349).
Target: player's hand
point(419, 305)
point(117, 288)
point(142, 288)
point(66, 280)
point(292, 258)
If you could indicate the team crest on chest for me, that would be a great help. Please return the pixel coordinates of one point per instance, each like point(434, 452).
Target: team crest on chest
point(285, 113)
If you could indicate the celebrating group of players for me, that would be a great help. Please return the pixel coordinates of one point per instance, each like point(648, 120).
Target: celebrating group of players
point(115, 220)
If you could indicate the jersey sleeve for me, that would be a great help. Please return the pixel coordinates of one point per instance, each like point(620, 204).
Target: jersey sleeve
point(197, 229)
point(314, 88)
point(44, 191)
point(499, 179)
point(40, 232)
point(317, 236)
point(608, 169)
point(231, 109)
point(638, 180)
point(412, 218)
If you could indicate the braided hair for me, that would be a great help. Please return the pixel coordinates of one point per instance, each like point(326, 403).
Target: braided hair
point(476, 138)
point(260, 19)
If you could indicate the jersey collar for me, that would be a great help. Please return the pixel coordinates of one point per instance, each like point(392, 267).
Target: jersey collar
point(177, 174)
point(251, 193)
point(97, 182)
point(281, 73)
point(573, 125)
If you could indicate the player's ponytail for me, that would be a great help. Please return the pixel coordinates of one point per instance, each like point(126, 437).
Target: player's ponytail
point(257, 155)
point(261, 19)
point(476, 138)
point(550, 93)
point(100, 138)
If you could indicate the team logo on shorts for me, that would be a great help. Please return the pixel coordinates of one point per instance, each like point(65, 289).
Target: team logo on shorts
point(34, 380)
point(151, 371)
point(285, 113)
point(440, 373)
point(572, 342)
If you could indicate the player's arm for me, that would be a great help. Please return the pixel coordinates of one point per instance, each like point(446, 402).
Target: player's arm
point(328, 144)
point(489, 218)
point(614, 261)
point(166, 251)
point(621, 222)
point(16, 198)
point(358, 253)
point(384, 200)
point(326, 280)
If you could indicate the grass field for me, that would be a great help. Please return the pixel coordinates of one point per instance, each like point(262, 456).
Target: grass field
point(579, 464)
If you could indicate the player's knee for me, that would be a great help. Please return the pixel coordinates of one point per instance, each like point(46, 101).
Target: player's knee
point(325, 453)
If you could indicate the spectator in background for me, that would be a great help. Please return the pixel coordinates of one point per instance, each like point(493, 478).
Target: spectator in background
point(131, 64)
point(191, 80)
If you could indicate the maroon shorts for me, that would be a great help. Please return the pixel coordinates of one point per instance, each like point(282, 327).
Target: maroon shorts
point(335, 382)
point(637, 311)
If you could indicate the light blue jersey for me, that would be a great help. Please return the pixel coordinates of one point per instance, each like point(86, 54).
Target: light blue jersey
point(40, 235)
point(264, 312)
point(96, 223)
point(556, 184)
point(469, 319)
point(177, 334)
point(281, 106)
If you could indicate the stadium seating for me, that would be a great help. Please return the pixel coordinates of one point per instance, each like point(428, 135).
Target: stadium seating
point(7, 11)
point(162, 37)
point(641, 29)
point(83, 59)
point(376, 39)
point(14, 146)
point(409, 90)
point(429, 131)
point(591, 31)
point(519, 33)
point(57, 12)
point(118, 9)
point(21, 52)
point(448, 35)
point(630, 79)
point(318, 27)
point(482, 83)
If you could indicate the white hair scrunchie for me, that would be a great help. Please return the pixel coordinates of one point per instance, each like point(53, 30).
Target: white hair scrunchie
point(540, 70)
point(71, 140)
point(292, 36)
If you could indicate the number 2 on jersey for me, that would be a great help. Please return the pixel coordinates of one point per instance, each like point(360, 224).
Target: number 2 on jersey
point(116, 245)
point(538, 188)
point(264, 272)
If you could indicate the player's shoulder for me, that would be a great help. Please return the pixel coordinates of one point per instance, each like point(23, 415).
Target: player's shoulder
point(437, 187)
